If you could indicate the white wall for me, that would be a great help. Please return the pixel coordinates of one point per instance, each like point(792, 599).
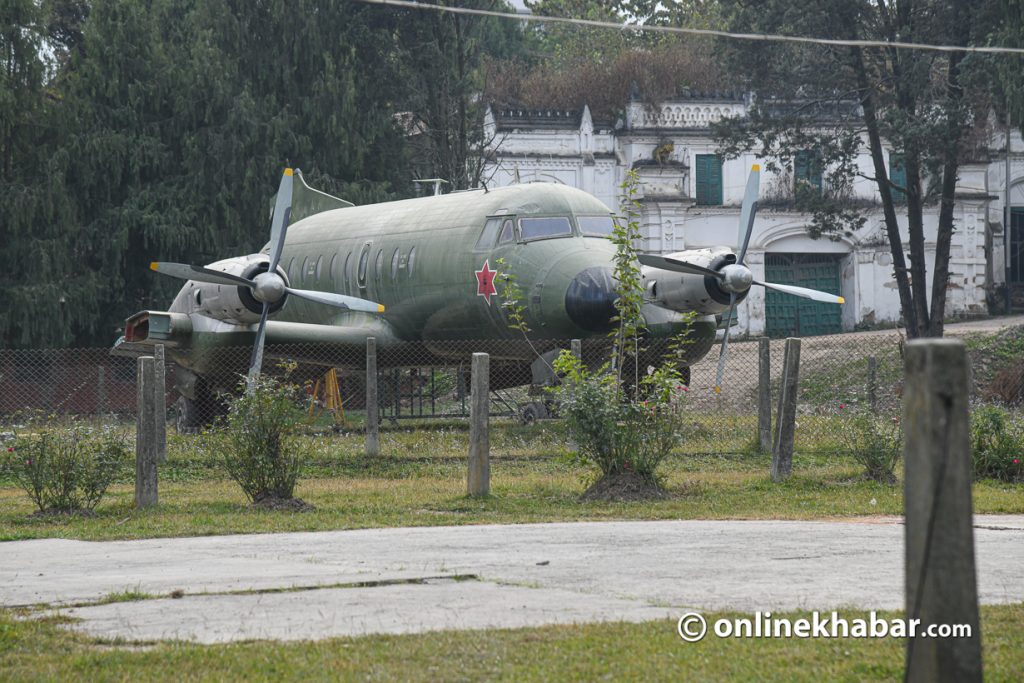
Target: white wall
point(596, 161)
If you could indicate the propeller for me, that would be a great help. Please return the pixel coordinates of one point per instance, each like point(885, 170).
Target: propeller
point(267, 287)
point(736, 278)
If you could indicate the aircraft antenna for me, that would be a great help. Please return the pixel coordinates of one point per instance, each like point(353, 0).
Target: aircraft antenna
point(436, 182)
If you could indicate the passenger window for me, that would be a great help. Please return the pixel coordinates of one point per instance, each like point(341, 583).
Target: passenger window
point(347, 270)
point(363, 258)
point(378, 265)
point(394, 265)
point(508, 233)
point(539, 228)
point(291, 271)
point(332, 272)
point(486, 240)
point(319, 267)
point(412, 260)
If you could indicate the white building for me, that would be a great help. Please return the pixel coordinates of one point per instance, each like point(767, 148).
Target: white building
point(691, 199)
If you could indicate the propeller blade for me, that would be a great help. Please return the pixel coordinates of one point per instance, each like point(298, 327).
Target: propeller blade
point(806, 293)
point(668, 263)
point(725, 344)
point(339, 300)
point(748, 211)
point(183, 271)
point(279, 223)
point(256, 359)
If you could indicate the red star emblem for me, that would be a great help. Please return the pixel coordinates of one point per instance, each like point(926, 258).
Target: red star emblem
point(485, 282)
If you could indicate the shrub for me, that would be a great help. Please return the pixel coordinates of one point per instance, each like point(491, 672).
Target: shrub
point(68, 469)
point(874, 441)
point(614, 431)
point(997, 444)
point(261, 450)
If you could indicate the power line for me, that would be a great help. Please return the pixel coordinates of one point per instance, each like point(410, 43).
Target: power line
point(762, 37)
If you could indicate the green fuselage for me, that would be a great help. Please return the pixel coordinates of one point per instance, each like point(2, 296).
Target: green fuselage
point(422, 257)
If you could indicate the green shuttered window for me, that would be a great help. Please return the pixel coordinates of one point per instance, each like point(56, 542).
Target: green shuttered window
point(898, 176)
point(709, 179)
point(807, 168)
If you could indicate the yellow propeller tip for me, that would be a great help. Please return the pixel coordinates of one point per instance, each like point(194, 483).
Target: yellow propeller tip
point(718, 390)
point(287, 171)
point(756, 167)
point(380, 308)
point(842, 300)
point(153, 265)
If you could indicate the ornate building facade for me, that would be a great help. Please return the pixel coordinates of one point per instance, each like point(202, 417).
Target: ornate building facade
point(691, 199)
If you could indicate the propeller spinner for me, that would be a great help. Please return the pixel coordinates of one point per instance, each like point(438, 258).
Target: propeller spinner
point(736, 278)
point(268, 287)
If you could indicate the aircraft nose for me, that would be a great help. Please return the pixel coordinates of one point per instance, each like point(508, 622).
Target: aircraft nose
point(590, 299)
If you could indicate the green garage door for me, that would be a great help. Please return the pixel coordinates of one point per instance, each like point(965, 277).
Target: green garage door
point(793, 316)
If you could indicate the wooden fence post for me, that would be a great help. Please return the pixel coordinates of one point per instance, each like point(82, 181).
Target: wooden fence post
point(372, 416)
point(940, 569)
point(160, 402)
point(785, 427)
point(145, 436)
point(764, 395)
point(479, 479)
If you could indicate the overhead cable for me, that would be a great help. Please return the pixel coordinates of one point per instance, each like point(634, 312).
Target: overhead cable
point(762, 37)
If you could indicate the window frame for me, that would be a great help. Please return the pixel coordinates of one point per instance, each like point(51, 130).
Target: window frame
point(583, 233)
point(813, 173)
point(486, 242)
point(567, 219)
point(509, 221)
point(701, 161)
point(897, 161)
point(363, 265)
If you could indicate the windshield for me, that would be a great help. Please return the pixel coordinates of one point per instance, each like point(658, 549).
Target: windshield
point(537, 228)
point(596, 226)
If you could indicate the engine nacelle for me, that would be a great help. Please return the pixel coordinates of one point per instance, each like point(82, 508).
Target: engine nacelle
point(227, 303)
point(684, 292)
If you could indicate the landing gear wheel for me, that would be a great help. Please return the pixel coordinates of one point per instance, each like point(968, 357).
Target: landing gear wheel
point(193, 415)
point(532, 411)
point(188, 420)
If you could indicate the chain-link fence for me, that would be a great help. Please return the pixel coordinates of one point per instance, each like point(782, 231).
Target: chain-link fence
point(430, 380)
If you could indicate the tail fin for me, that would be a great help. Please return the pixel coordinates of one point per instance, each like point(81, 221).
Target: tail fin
point(307, 201)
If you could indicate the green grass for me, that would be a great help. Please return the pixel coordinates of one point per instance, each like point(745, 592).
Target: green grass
point(124, 596)
point(846, 381)
point(39, 649)
point(419, 480)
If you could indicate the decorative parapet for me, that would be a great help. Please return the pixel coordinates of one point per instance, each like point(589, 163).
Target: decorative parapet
point(682, 114)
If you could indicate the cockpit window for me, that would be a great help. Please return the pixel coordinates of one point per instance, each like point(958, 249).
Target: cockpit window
point(596, 226)
point(508, 233)
point(490, 232)
point(537, 228)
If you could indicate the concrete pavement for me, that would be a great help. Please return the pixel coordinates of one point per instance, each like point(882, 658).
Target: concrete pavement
point(429, 578)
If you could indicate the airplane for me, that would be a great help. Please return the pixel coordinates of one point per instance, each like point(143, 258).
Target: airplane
point(421, 274)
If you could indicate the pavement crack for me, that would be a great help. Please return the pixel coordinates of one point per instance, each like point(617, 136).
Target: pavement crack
point(178, 593)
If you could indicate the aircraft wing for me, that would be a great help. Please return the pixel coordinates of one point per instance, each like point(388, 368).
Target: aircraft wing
point(189, 335)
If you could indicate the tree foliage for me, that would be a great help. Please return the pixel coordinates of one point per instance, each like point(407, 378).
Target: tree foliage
point(566, 66)
point(441, 58)
point(927, 106)
point(137, 130)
